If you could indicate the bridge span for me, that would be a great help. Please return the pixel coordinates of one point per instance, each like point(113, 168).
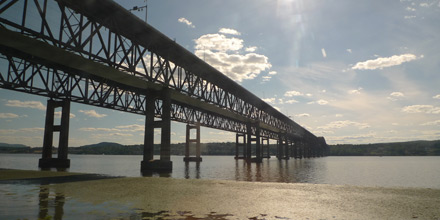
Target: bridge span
point(97, 53)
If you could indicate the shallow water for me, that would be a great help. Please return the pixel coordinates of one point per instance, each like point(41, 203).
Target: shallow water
point(421, 172)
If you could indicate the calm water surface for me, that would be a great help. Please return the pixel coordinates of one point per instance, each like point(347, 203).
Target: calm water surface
point(362, 171)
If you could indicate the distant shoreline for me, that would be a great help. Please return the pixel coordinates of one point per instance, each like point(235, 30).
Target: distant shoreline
point(411, 148)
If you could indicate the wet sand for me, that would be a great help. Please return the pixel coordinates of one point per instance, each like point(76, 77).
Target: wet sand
point(213, 199)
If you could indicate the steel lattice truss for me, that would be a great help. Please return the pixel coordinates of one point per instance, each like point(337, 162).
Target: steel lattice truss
point(68, 25)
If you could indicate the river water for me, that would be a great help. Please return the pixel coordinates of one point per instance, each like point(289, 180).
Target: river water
point(422, 172)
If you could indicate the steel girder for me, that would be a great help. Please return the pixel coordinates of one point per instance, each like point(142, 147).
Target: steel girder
point(100, 38)
point(25, 76)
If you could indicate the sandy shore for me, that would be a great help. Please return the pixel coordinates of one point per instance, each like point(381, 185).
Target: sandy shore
point(244, 200)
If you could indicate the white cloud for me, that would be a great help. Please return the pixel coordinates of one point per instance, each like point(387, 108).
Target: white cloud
point(26, 104)
point(383, 62)
point(410, 16)
point(99, 129)
point(218, 42)
point(185, 21)
point(133, 127)
point(302, 115)
point(427, 109)
point(229, 31)
point(436, 96)
point(269, 100)
point(25, 130)
point(31, 129)
point(214, 48)
point(349, 50)
point(410, 9)
point(324, 54)
point(339, 115)
point(58, 115)
point(424, 4)
point(397, 94)
point(394, 96)
point(431, 123)
point(322, 102)
point(250, 49)
point(293, 93)
point(275, 72)
point(120, 134)
point(8, 115)
point(341, 124)
point(355, 91)
point(92, 113)
point(266, 78)
point(290, 101)
point(319, 102)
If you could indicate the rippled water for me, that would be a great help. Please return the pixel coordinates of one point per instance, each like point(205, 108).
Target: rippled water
point(362, 171)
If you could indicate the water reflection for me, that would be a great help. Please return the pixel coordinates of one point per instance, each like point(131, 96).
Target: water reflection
point(54, 169)
point(287, 171)
point(188, 170)
point(46, 203)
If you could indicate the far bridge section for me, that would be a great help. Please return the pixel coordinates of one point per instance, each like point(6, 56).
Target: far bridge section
point(97, 53)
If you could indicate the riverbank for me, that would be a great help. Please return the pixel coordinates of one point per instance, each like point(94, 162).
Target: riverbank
point(152, 197)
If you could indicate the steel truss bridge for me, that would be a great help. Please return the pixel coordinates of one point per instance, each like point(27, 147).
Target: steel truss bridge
point(95, 52)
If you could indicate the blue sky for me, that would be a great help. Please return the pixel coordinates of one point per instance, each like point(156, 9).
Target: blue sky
point(351, 71)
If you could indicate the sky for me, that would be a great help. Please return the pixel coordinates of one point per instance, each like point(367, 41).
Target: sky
point(351, 71)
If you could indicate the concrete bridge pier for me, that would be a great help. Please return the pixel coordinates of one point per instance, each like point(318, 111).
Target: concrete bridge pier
point(46, 160)
point(148, 163)
point(299, 150)
point(282, 147)
point(240, 144)
point(307, 149)
point(258, 156)
point(187, 157)
point(265, 146)
point(294, 149)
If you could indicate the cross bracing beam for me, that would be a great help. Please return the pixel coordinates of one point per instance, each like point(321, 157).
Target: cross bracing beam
point(105, 33)
point(95, 84)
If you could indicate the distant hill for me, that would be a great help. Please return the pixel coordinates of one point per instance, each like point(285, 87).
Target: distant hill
point(13, 145)
point(106, 148)
point(14, 148)
point(411, 148)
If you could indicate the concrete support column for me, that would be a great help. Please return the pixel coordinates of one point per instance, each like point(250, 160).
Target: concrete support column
point(279, 146)
point(241, 145)
point(46, 160)
point(187, 157)
point(164, 164)
point(307, 149)
point(265, 146)
point(258, 156)
point(149, 128)
point(249, 141)
point(295, 149)
point(301, 150)
point(257, 139)
point(165, 145)
point(283, 147)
